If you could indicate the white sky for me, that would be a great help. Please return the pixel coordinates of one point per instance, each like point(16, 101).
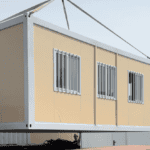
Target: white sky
point(130, 19)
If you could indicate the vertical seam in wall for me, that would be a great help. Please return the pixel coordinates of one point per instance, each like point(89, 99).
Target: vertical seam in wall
point(53, 77)
point(127, 94)
point(95, 84)
point(143, 93)
point(116, 115)
point(80, 83)
point(128, 115)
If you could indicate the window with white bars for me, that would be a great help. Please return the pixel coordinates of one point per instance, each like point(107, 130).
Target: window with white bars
point(107, 81)
point(135, 87)
point(67, 72)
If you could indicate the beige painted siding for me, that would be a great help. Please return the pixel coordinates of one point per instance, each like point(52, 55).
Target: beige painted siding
point(105, 108)
point(122, 97)
point(132, 113)
point(12, 74)
point(58, 107)
point(146, 118)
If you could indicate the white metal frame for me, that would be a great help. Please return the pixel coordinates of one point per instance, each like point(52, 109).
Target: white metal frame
point(28, 24)
point(28, 74)
point(28, 56)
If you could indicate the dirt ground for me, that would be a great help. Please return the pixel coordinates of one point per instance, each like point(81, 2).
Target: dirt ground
point(126, 147)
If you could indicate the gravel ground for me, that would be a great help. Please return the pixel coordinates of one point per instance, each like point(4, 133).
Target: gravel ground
point(126, 147)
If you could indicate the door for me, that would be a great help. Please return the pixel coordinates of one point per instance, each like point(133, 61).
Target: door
point(99, 139)
point(138, 138)
point(119, 138)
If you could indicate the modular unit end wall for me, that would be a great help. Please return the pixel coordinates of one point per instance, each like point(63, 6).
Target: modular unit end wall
point(55, 80)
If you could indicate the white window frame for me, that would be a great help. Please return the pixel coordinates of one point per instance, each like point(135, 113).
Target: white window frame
point(141, 82)
point(114, 68)
point(68, 72)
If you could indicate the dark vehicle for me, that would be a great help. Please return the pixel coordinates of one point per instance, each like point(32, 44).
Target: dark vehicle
point(63, 144)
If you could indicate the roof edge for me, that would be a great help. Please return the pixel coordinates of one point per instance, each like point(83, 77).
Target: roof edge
point(87, 40)
point(26, 10)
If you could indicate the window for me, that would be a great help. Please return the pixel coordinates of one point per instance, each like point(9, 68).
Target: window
point(107, 81)
point(67, 72)
point(135, 87)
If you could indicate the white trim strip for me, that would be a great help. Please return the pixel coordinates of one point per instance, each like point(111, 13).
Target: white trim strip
point(12, 22)
point(86, 127)
point(12, 126)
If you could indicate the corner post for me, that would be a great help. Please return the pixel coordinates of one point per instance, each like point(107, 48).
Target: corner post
point(28, 70)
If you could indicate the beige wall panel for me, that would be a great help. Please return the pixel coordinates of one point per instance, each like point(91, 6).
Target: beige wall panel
point(135, 111)
point(105, 112)
point(122, 97)
point(43, 61)
point(105, 109)
point(87, 84)
point(61, 107)
point(105, 57)
point(39, 138)
point(67, 108)
point(65, 43)
point(146, 95)
point(136, 114)
point(12, 74)
point(135, 66)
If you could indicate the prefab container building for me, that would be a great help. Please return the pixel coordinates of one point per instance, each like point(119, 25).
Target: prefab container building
point(53, 80)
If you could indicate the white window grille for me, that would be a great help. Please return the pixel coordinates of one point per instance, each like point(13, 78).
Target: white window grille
point(135, 87)
point(67, 72)
point(107, 81)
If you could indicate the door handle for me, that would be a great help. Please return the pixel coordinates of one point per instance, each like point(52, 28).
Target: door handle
point(114, 142)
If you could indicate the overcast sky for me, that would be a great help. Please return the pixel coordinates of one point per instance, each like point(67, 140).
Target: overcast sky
point(130, 19)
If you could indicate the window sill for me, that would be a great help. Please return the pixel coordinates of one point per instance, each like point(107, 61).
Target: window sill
point(60, 90)
point(136, 102)
point(106, 97)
